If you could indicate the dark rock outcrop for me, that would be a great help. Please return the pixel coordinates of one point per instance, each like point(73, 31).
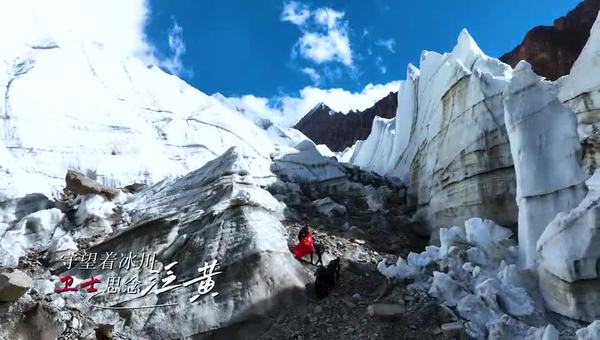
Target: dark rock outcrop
point(552, 50)
point(338, 130)
point(77, 182)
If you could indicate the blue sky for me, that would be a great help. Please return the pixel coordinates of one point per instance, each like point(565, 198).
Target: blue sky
point(238, 47)
point(274, 49)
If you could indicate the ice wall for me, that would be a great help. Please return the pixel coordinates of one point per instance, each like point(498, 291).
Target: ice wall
point(549, 125)
point(448, 140)
point(581, 92)
point(546, 152)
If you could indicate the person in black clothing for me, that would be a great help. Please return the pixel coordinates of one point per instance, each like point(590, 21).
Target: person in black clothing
point(302, 233)
point(327, 278)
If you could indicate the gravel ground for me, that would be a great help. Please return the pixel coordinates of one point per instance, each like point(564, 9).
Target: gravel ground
point(343, 315)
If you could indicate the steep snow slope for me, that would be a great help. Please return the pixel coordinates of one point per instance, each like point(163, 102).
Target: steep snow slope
point(78, 106)
point(448, 140)
point(70, 103)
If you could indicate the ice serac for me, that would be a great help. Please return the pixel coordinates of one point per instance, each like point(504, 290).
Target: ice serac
point(581, 92)
point(378, 145)
point(389, 137)
point(545, 149)
point(216, 212)
point(558, 204)
point(570, 251)
point(448, 140)
point(592, 331)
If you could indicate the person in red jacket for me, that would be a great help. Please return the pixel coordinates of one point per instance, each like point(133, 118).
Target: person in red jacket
point(306, 245)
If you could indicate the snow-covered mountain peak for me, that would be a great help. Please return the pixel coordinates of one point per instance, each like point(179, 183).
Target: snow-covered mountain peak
point(319, 106)
point(74, 104)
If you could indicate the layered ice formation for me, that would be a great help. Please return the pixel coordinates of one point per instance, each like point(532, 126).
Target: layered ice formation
point(470, 120)
point(546, 151)
point(448, 141)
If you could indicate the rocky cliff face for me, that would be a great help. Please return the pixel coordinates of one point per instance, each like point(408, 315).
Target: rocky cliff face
point(338, 130)
point(552, 50)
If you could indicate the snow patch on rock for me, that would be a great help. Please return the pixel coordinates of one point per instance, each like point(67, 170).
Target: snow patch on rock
point(590, 332)
point(33, 232)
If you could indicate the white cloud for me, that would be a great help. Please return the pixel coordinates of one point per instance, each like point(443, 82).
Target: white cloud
point(116, 25)
point(287, 110)
point(388, 44)
point(252, 103)
point(380, 65)
point(328, 17)
point(321, 48)
point(295, 12)
point(312, 73)
point(174, 63)
point(324, 38)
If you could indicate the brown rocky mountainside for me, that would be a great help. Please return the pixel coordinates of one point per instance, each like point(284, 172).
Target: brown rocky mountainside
point(338, 130)
point(551, 50)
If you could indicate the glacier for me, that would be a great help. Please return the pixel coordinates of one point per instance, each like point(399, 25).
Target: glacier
point(471, 137)
point(509, 146)
point(542, 133)
point(552, 129)
point(495, 297)
point(448, 141)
